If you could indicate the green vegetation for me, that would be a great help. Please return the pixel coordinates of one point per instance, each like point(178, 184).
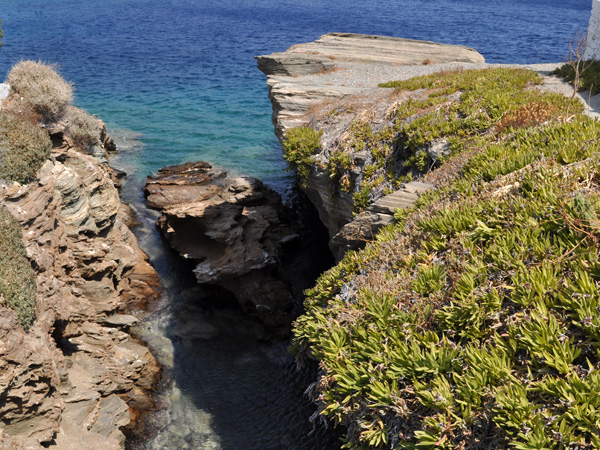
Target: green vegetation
point(24, 147)
point(474, 321)
point(458, 107)
point(589, 76)
point(17, 278)
point(299, 147)
point(42, 87)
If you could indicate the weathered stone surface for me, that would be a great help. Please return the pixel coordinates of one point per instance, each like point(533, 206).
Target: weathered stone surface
point(232, 228)
point(332, 83)
point(364, 227)
point(67, 380)
point(339, 65)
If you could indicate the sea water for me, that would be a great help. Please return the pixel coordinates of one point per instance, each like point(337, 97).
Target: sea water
point(175, 81)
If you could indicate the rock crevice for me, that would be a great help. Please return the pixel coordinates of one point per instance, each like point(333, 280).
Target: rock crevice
point(77, 375)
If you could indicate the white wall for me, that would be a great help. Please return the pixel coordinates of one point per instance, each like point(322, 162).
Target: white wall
point(593, 36)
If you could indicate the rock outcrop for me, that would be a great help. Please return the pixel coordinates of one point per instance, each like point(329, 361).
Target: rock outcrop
point(77, 375)
point(332, 84)
point(339, 65)
point(233, 229)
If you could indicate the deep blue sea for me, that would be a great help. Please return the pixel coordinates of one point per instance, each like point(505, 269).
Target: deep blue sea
point(182, 72)
point(176, 80)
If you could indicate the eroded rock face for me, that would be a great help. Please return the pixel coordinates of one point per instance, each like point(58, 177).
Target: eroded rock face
point(339, 65)
point(232, 228)
point(332, 84)
point(77, 375)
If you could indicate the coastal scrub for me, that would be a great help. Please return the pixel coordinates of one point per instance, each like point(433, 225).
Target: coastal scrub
point(443, 114)
point(42, 87)
point(473, 322)
point(17, 278)
point(24, 147)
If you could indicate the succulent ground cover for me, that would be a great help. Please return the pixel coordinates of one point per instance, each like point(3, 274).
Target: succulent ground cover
point(474, 322)
point(450, 108)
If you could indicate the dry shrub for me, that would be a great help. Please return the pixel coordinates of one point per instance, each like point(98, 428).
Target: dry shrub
point(40, 85)
point(82, 127)
point(17, 278)
point(24, 148)
point(15, 105)
point(527, 115)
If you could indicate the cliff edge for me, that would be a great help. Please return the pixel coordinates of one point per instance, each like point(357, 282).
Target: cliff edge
point(72, 375)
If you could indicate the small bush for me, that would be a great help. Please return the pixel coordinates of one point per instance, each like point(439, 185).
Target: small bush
point(82, 127)
point(300, 145)
point(41, 86)
point(17, 278)
point(24, 148)
point(589, 77)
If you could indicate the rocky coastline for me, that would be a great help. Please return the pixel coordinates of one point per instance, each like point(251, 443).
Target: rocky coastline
point(77, 376)
point(437, 183)
point(233, 229)
point(332, 86)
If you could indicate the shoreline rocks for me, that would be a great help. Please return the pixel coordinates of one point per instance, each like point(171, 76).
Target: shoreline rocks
point(78, 375)
point(339, 65)
point(332, 86)
point(232, 229)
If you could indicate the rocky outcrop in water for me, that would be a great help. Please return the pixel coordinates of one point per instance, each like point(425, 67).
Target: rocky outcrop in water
point(77, 375)
point(232, 229)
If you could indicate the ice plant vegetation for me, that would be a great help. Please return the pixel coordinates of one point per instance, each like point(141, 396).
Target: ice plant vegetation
point(474, 322)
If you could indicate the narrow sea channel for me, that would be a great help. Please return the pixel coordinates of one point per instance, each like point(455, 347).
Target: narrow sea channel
point(182, 74)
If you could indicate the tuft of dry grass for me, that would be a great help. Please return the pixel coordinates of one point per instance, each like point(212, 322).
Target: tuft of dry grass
point(82, 127)
point(41, 86)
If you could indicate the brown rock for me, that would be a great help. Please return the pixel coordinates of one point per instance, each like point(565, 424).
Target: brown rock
point(69, 377)
point(232, 228)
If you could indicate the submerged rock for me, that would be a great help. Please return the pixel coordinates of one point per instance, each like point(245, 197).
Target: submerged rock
point(232, 229)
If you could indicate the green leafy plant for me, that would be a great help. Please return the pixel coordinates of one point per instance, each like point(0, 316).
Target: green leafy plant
point(299, 146)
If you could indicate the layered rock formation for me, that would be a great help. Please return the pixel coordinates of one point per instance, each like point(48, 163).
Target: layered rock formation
point(232, 229)
point(77, 375)
point(332, 85)
point(339, 65)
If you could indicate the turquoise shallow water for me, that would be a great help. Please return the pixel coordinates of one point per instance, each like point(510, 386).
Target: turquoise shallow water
point(176, 80)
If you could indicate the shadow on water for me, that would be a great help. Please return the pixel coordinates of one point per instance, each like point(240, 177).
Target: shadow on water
point(225, 386)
